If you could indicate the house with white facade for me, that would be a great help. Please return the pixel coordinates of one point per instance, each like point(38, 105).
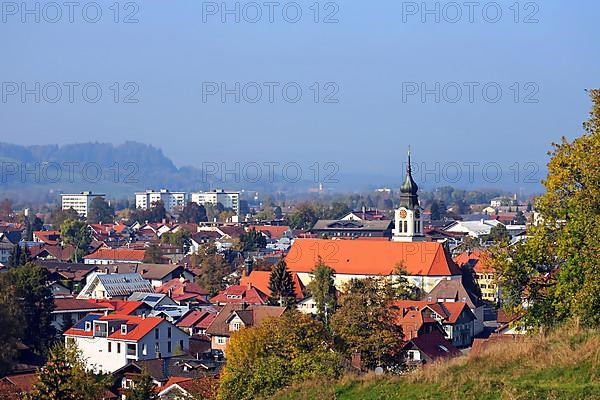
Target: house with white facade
point(80, 202)
point(110, 342)
point(171, 200)
point(114, 286)
point(227, 199)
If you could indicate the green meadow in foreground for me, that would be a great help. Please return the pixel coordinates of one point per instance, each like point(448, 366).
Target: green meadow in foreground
point(564, 364)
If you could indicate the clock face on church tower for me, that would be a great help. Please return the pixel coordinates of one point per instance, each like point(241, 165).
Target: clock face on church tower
point(402, 213)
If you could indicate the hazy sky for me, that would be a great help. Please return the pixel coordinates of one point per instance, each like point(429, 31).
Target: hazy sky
point(374, 61)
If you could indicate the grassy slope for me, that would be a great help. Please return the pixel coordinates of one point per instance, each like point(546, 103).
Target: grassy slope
point(561, 365)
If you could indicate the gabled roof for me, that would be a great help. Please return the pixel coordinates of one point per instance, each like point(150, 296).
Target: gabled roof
point(197, 319)
point(454, 290)
point(260, 280)
point(240, 294)
point(49, 237)
point(137, 327)
point(272, 231)
point(476, 259)
point(255, 314)
point(117, 254)
point(366, 257)
point(125, 307)
point(117, 285)
point(71, 304)
point(178, 287)
point(434, 346)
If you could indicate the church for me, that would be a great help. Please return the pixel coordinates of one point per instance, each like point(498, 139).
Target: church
point(426, 263)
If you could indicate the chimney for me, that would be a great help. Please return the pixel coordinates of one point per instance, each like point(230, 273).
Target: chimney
point(356, 361)
point(248, 263)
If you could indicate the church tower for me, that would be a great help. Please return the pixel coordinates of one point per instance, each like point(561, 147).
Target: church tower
point(408, 224)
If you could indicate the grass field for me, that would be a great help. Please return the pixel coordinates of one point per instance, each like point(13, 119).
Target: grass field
point(564, 364)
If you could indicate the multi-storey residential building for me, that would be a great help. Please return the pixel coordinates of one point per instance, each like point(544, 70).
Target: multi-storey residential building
point(171, 200)
point(80, 202)
point(109, 342)
point(227, 199)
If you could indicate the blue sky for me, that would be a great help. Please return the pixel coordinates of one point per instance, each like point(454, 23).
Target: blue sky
point(370, 61)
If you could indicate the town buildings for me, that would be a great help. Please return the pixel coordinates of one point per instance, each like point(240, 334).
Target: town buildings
point(229, 200)
point(79, 202)
point(171, 200)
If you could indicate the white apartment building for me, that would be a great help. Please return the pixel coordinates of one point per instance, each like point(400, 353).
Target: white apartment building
point(171, 200)
point(80, 202)
point(109, 342)
point(227, 199)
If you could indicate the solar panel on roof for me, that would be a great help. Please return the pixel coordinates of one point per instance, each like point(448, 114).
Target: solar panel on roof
point(152, 298)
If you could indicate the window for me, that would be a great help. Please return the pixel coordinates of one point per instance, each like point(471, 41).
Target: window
point(88, 326)
point(144, 349)
point(123, 329)
point(405, 226)
point(109, 347)
point(220, 340)
point(236, 326)
point(157, 347)
point(118, 347)
point(156, 334)
point(169, 333)
point(169, 347)
point(181, 344)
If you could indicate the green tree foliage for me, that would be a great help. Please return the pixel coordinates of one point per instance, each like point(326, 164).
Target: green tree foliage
point(498, 234)
point(143, 389)
point(11, 322)
point(252, 241)
point(25, 255)
point(303, 217)
point(277, 353)
point(281, 285)
point(6, 210)
point(557, 271)
point(36, 303)
point(76, 233)
point(181, 239)
point(153, 255)
point(14, 259)
point(364, 322)
point(278, 213)
point(100, 212)
point(32, 225)
point(193, 213)
point(520, 218)
point(156, 213)
point(66, 377)
point(213, 269)
point(323, 291)
point(435, 211)
point(58, 217)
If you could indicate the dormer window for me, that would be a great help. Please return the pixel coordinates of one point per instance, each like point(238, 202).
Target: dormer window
point(123, 329)
point(88, 326)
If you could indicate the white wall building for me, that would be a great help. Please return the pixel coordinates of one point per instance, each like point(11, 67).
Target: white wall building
point(171, 200)
point(80, 202)
point(109, 342)
point(227, 199)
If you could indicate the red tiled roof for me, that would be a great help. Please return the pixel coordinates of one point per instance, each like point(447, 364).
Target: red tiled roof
point(273, 231)
point(67, 304)
point(478, 259)
point(179, 287)
point(48, 237)
point(365, 257)
point(141, 327)
point(124, 307)
point(260, 280)
point(197, 318)
point(117, 254)
point(248, 295)
point(435, 346)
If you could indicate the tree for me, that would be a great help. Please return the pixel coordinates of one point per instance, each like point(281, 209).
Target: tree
point(304, 217)
point(278, 213)
point(275, 354)
point(36, 304)
point(281, 285)
point(213, 269)
point(435, 211)
point(193, 213)
point(77, 234)
point(6, 209)
point(498, 234)
point(11, 322)
point(520, 218)
point(100, 212)
point(365, 323)
point(182, 239)
point(25, 255)
point(14, 259)
point(143, 389)
point(31, 226)
point(155, 214)
point(66, 377)
point(556, 272)
point(322, 288)
point(58, 217)
point(153, 255)
point(529, 207)
point(252, 241)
